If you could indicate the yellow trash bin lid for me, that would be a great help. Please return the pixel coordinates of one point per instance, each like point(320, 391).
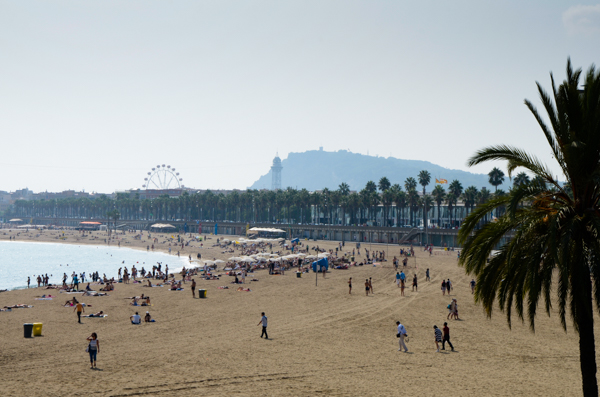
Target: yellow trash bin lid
point(37, 329)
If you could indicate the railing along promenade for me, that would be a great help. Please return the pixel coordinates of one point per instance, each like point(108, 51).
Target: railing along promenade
point(369, 234)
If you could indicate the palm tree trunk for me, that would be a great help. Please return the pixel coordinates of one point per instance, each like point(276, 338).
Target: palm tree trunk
point(587, 349)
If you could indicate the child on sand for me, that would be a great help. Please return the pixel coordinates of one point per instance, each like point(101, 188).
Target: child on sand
point(438, 337)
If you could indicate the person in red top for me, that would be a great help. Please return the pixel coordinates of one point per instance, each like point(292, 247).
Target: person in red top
point(446, 337)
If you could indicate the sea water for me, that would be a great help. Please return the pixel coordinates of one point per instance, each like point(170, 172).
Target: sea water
point(18, 260)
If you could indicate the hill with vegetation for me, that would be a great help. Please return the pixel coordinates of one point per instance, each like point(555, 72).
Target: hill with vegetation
point(318, 169)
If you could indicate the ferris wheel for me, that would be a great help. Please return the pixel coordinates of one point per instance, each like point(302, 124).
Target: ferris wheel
point(163, 177)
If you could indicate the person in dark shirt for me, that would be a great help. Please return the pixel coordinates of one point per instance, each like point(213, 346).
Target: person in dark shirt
point(446, 337)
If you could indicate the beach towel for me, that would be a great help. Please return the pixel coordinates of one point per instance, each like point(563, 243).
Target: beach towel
point(102, 316)
point(43, 299)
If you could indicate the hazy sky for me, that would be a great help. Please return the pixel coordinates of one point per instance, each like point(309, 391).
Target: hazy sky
point(95, 93)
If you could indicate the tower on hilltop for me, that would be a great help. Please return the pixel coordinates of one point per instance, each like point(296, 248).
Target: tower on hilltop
point(276, 173)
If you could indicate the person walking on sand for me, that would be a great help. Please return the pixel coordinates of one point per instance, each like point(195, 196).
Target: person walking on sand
point(263, 321)
point(367, 287)
point(93, 349)
point(438, 337)
point(371, 286)
point(401, 334)
point(398, 279)
point(414, 286)
point(350, 286)
point(79, 308)
point(427, 278)
point(444, 287)
point(446, 337)
point(472, 286)
point(402, 281)
point(28, 281)
point(193, 288)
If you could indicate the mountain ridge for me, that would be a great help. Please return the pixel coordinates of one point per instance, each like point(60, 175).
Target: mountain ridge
point(319, 169)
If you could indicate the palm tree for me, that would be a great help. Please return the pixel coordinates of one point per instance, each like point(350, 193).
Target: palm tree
point(521, 179)
point(496, 177)
point(412, 197)
point(556, 233)
point(438, 193)
point(114, 215)
point(410, 183)
point(456, 189)
point(344, 189)
point(483, 197)
point(387, 198)
point(400, 201)
point(426, 201)
point(470, 197)
point(424, 179)
point(384, 184)
point(451, 201)
point(353, 201)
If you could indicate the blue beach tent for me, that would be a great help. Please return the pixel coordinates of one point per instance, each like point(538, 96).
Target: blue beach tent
point(322, 263)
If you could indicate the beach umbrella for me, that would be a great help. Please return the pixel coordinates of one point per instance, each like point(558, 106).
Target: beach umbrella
point(219, 261)
point(311, 257)
point(248, 260)
point(323, 255)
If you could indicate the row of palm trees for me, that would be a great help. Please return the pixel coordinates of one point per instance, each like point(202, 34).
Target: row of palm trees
point(381, 204)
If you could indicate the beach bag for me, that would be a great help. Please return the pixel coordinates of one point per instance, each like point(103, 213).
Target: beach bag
point(449, 306)
point(87, 349)
point(397, 335)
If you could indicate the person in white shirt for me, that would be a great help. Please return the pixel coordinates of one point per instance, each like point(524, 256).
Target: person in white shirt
point(263, 321)
point(401, 335)
point(136, 319)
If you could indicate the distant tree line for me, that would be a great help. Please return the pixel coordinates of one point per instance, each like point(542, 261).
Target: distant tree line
point(379, 203)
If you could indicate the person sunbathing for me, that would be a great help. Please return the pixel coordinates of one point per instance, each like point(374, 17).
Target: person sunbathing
point(71, 302)
point(99, 314)
point(148, 318)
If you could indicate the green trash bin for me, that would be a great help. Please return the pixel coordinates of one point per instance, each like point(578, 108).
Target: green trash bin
point(202, 293)
point(27, 330)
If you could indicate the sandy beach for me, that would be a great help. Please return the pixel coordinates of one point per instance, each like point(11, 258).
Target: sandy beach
point(323, 341)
